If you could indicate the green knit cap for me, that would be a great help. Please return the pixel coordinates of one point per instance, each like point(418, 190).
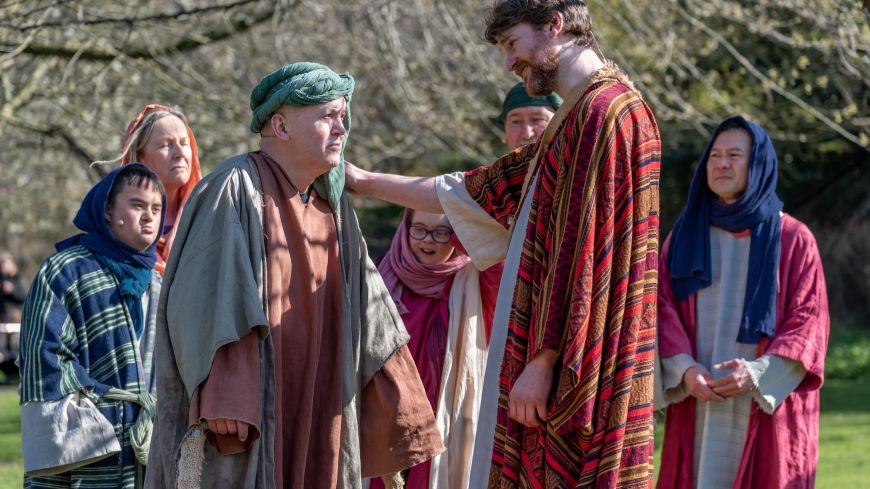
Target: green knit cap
point(518, 97)
point(302, 84)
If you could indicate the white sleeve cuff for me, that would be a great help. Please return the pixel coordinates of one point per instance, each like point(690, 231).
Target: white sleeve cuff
point(484, 238)
point(775, 377)
point(58, 436)
point(673, 369)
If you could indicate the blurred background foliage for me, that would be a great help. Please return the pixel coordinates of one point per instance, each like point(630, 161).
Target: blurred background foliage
point(73, 73)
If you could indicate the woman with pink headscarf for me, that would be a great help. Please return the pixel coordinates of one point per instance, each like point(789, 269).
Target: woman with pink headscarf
point(447, 307)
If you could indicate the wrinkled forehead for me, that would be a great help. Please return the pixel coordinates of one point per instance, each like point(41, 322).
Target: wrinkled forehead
point(169, 125)
point(530, 111)
point(338, 104)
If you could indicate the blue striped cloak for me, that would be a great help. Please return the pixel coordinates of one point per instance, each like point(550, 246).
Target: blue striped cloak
point(77, 336)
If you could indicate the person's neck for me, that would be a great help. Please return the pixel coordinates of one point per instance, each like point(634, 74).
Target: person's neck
point(576, 64)
point(172, 205)
point(300, 178)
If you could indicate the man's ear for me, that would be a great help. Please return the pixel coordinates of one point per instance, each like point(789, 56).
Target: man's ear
point(557, 25)
point(280, 126)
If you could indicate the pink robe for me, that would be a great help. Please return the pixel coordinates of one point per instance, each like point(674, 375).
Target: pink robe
point(427, 322)
point(781, 449)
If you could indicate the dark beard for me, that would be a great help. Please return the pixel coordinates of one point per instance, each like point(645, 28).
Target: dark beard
point(542, 79)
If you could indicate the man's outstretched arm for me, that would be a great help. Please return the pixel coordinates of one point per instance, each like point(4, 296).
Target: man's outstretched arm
point(413, 192)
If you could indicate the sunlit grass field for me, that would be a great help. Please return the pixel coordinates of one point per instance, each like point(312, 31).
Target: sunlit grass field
point(11, 467)
point(844, 436)
point(844, 445)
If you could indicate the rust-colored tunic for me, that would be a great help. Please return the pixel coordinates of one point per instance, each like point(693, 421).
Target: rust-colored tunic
point(305, 307)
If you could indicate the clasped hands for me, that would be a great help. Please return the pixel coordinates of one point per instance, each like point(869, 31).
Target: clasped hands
point(701, 385)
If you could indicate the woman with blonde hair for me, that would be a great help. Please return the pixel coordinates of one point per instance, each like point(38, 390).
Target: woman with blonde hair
point(161, 138)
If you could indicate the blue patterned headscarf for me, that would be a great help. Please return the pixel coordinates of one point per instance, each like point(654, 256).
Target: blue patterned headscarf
point(757, 209)
point(131, 267)
point(302, 84)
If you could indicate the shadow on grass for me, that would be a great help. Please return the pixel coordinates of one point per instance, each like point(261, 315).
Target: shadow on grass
point(847, 370)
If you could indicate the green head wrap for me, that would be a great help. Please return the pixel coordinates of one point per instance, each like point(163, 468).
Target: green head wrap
point(302, 84)
point(518, 97)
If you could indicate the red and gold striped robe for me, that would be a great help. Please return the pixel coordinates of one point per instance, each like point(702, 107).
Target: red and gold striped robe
point(586, 288)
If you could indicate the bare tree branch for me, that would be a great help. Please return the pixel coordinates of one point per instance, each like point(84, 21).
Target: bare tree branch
point(189, 43)
point(772, 85)
point(55, 131)
point(129, 20)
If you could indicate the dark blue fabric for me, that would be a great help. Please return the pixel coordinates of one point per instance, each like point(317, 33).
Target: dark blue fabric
point(91, 218)
point(69, 292)
point(132, 268)
point(133, 283)
point(757, 210)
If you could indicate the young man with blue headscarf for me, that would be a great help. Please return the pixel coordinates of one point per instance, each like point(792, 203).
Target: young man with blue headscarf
point(86, 405)
point(278, 341)
point(743, 326)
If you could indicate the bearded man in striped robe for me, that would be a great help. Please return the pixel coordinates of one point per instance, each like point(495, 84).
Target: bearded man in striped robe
point(567, 400)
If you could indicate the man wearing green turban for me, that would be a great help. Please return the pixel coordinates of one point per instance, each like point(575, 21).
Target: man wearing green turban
point(524, 117)
point(282, 361)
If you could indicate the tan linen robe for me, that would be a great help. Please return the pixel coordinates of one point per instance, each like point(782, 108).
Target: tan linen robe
point(305, 314)
point(220, 291)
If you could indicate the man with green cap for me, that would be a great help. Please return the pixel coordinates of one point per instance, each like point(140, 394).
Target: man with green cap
point(524, 117)
point(281, 358)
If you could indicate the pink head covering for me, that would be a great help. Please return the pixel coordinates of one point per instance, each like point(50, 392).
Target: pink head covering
point(400, 268)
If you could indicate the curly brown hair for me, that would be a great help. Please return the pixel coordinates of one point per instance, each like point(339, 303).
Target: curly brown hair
point(505, 14)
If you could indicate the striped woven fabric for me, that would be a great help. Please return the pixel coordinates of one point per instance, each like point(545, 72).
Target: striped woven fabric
point(76, 335)
point(586, 288)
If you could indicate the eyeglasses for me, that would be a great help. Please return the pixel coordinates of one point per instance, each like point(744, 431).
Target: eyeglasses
point(440, 235)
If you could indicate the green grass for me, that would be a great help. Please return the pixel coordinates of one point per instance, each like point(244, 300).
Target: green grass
point(844, 435)
point(844, 431)
point(844, 423)
point(11, 465)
